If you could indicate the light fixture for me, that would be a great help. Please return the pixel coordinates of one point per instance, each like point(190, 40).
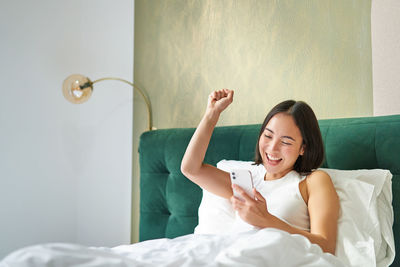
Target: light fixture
point(77, 89)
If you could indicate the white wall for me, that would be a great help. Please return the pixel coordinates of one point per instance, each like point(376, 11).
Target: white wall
point(65, 169)
point(385, 31)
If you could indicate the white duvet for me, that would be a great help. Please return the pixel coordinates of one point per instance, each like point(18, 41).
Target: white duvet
point(365, 237)
point(266, 247)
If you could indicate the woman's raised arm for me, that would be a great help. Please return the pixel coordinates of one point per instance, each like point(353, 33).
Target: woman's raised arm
point(206, 176)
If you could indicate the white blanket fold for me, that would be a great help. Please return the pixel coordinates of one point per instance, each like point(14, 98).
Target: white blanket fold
point(266, 247)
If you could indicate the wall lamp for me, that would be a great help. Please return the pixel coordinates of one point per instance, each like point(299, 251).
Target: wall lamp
point(77, 89)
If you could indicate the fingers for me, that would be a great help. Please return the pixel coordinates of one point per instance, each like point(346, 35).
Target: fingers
point(218, 94)
point(258, 196)
point(237, 203)
point(242, 193)
point(219, 100)
point(229, 94)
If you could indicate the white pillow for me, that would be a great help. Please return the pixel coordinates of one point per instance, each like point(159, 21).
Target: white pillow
point(216, 215)
point(365, 222)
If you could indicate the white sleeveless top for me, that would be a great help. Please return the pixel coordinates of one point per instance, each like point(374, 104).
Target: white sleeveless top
point(283, 199)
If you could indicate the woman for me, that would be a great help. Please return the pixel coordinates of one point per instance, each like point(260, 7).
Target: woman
point(289, 146)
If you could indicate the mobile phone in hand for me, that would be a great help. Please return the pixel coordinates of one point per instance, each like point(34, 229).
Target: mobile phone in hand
point(243, 179)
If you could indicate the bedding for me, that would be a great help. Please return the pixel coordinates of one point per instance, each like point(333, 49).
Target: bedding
point(365, 235)
point(253, 248)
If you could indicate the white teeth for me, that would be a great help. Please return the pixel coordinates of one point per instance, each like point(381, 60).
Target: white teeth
point(272, 158)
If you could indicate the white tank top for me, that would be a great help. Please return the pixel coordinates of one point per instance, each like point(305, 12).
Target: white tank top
point(283, 198)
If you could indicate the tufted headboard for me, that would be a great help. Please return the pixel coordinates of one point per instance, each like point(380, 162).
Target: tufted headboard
point(169, 201)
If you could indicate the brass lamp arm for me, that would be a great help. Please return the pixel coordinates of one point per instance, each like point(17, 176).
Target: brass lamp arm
point(136, 88)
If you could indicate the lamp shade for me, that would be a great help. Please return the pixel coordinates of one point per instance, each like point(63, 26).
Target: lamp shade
point(77, 88)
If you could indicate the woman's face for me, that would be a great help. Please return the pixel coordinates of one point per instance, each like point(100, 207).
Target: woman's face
point(280, 145)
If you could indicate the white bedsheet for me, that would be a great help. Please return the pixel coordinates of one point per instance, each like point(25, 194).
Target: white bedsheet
point(266, 247)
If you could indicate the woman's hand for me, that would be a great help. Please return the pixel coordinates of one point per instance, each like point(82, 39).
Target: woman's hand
point(252, 210)
point(219, 100)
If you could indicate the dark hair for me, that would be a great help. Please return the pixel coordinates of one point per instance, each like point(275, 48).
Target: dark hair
point(305, 119)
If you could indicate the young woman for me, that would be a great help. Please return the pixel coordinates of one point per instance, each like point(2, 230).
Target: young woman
point(290, 148)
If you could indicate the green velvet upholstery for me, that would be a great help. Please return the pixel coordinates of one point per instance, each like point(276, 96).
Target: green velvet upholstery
point(169, 201)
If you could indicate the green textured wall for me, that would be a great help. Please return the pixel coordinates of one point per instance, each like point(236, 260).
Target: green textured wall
point(267, 51)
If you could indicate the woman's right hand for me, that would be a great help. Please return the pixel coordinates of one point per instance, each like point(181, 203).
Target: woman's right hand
point(219, 100)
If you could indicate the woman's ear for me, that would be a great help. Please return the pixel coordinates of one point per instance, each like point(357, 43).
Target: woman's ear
point(302, 149)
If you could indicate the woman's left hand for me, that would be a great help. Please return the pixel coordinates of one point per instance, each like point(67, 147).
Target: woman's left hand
point(252, 210)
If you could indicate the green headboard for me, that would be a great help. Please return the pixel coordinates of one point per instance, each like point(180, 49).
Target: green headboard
point(169, 201)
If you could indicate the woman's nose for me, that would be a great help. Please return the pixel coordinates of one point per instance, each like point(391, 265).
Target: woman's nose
point(274, 145)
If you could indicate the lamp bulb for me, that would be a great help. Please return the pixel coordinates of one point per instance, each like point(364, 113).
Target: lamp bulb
point(77, 88)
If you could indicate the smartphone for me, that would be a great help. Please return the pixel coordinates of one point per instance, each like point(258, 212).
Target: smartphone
point(243, 179)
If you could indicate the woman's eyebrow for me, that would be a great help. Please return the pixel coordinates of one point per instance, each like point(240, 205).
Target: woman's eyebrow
point(266, 129)
point(288, 137)
point(285, 136)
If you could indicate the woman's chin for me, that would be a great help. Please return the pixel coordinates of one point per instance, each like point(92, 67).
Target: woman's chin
point(276, 173)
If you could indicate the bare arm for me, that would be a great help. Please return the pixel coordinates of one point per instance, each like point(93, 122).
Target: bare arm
point(206, 176)
point(323, 207)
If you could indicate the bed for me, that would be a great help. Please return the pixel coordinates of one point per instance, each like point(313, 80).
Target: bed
point(180, 225)
point(169, 202)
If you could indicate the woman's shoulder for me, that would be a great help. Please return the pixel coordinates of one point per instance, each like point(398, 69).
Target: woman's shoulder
point(321, 190)
point(318, 178)
point(319, 173)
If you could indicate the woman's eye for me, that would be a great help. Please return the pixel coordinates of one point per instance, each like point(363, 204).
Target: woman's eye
point(267, 136)
point(285, 143)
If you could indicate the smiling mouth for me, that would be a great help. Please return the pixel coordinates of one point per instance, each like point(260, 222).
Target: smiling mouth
point(272, 159)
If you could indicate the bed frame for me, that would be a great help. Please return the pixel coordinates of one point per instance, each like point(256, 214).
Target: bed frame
point(169, 201)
